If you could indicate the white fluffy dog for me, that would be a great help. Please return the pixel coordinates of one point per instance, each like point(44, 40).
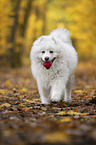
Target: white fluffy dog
point(53, 62)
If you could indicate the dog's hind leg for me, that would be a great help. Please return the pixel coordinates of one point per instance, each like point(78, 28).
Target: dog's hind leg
point(69, 85)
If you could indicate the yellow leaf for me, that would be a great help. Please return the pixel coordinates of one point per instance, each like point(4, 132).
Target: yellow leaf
point(62, 113)
point(2, 91)
point(65, 119)
point(57, 137)
point(30, 101)
point(78, 91)
point(72, 113)
point(83, 114)
point(23, 90)
point(5, 105)
point(22, 105)
point(20, 96)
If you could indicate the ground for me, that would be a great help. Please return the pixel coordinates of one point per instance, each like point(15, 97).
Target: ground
point(25, 121)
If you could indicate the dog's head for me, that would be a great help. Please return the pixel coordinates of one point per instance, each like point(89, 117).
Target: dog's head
point(49, 53)
point(46, 51)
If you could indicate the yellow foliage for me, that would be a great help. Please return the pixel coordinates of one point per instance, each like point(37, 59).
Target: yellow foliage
point(5, 21)
point(78, 16)
point(83, 27)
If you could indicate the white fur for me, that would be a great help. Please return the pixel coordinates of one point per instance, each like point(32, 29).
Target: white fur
point(55, 83)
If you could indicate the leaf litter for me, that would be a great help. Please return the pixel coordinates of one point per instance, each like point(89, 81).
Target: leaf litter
point(25, 120)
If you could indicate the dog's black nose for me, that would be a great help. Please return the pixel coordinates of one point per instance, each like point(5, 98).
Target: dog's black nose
point(46, 58)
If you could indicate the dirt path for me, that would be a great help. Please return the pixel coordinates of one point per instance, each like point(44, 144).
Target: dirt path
point(25, 121)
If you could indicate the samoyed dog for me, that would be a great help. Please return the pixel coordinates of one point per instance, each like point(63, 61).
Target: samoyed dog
point(53, 62)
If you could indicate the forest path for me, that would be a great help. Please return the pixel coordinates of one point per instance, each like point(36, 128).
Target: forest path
point(24, 120)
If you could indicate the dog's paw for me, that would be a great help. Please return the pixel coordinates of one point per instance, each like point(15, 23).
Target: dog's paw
point(55, 99)
point(45, 102)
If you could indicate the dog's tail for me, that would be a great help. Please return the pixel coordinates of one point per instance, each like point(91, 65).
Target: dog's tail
point(62, 34)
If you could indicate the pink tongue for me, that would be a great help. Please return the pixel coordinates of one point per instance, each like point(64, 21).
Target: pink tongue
point(47, 64)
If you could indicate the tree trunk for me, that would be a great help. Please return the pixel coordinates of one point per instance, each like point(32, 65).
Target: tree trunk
point(13, 32)
point(15, 56)
point(37, 14)
point(23, 28)
point(26, 17)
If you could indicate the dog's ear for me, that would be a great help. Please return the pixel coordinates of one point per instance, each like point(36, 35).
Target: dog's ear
point(41, 39)
point(54, 40)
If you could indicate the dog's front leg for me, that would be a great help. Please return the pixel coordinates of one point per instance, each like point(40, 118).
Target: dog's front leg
point(57, 91)
point(44, 94)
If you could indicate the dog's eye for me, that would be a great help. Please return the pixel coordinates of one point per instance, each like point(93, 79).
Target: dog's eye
point(51, 51)
point(43, 51)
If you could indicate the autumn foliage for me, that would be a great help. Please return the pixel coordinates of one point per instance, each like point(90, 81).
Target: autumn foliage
point(23, 21)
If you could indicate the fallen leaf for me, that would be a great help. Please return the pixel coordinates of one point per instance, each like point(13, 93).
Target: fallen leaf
point(65, 119)
point(23, 90)
point(72, 113)
point(3, 91)
point(57, 137)
point(30, 101)
point(62, 113)
point(83, 114)
point(78, 91)
point(5, 105)
point(24, 107)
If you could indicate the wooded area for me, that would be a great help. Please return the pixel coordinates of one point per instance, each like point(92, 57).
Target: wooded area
point(23, 21)
point(24, 120)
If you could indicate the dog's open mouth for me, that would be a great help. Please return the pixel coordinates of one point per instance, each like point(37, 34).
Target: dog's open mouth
point(48, 64)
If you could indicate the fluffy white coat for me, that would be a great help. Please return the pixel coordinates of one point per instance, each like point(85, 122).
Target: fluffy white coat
point(55, 83)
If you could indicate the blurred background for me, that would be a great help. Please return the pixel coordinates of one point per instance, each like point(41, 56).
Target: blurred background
point(23, 21)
